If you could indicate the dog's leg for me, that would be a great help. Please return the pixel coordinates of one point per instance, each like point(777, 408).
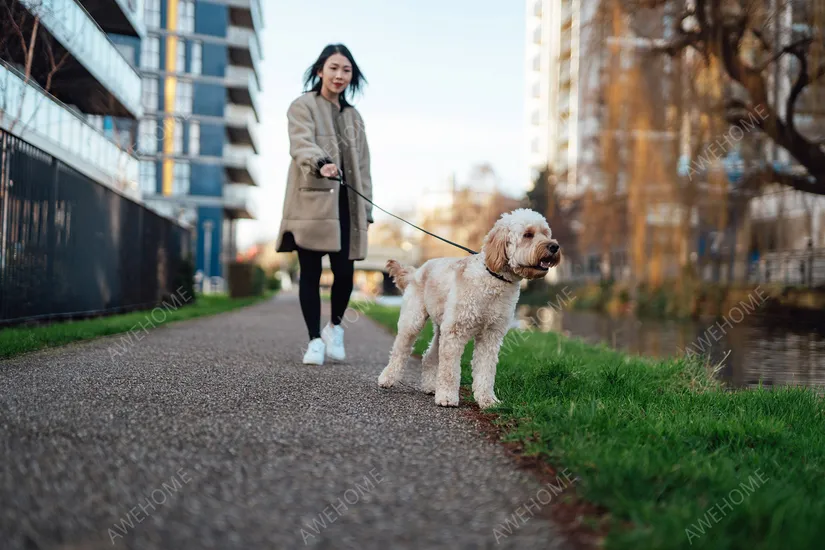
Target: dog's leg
point(412, 319)
point(451, 344)
point(485, 358)
point(429, 364)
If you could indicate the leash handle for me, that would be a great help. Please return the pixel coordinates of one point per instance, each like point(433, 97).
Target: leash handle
point(340, 180)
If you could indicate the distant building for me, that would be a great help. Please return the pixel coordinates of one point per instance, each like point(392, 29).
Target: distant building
point(200, 65)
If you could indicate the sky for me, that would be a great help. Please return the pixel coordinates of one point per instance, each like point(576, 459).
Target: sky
point(445, 92)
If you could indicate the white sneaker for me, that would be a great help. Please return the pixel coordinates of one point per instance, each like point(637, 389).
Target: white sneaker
point(315, 352)
point(333, 337)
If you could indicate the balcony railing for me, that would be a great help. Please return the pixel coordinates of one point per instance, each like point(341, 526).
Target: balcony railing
point(245, 79)
point(238, 162)
point(75, 29)
point(27, 110)
point(237, 199)
point(243, 118)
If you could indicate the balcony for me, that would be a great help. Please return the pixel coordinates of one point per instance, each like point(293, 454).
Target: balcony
point(242, 125)
point(245, 13)
point(242, 86)
point(118, 16)
point(95, 77)
point(238, 203)
point(237, 160)
point(52, 126)
point(244, 48)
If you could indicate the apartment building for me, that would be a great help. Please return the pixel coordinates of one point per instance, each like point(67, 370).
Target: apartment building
point(200, 70)
point(58, 104)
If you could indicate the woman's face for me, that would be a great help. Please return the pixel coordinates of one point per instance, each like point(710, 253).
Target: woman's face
point(336, 74)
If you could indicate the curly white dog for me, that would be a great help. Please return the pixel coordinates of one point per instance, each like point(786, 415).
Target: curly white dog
point(470, 297)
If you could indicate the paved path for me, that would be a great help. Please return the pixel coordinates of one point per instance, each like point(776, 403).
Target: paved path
point(211, 434)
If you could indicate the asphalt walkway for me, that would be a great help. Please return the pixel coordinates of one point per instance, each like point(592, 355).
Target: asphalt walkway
point(210, 433)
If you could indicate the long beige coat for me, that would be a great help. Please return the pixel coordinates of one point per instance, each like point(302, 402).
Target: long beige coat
point(310, 216)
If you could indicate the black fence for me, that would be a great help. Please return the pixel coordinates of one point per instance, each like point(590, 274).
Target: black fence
point(71, 247)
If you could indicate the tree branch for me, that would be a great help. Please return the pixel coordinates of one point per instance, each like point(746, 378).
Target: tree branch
point(754, 180)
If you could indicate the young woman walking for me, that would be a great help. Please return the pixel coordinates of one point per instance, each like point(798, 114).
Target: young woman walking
point(327, 139)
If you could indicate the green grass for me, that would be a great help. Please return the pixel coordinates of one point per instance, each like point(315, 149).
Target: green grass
point(23, 339)
point(659, 443)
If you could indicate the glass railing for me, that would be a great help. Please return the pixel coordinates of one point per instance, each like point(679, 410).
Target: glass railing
point(241, 115)
point(75, 29)
point(237, 196)
point(27, 109)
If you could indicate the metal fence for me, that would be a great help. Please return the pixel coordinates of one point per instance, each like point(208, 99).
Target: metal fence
point(71, 247)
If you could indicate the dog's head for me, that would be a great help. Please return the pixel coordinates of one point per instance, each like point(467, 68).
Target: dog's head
point(521, 243)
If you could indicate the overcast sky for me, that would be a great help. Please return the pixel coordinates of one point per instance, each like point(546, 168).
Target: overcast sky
point(446, 91)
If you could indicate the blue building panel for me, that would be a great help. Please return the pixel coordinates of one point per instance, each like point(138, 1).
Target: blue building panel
point(211, 19)
point(206, 180)
point(215, 59)
point(210, 227)
point(208, 99)
point(212, 138)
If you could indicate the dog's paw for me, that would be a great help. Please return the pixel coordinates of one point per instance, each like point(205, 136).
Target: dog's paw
point(486, 401)
point(384, 380)
point(446, 400)
point(428, 386)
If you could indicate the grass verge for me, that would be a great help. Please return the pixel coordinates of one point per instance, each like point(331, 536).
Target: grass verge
point(675, 459)
point(24, 339)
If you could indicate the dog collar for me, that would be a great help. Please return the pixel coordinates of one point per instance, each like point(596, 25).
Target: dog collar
point(497, 276)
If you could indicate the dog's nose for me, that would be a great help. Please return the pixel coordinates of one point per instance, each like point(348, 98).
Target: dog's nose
point(553, 247)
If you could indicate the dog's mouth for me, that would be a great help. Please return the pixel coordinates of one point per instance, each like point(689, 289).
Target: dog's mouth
point(547, 262)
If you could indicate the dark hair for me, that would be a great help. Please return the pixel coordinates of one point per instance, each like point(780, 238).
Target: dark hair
point(312, 82)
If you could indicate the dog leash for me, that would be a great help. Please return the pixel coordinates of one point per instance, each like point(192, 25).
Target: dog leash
point(340, 180)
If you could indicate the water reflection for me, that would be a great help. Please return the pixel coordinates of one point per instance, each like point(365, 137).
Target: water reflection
point(758, 349)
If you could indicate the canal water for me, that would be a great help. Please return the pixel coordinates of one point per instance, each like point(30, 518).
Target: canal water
point(758, 349)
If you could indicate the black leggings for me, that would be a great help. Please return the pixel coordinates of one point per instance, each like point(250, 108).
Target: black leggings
point(342, 272)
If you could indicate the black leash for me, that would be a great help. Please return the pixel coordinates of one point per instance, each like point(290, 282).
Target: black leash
point(340, 180)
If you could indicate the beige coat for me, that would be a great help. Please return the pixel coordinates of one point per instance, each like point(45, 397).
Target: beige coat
point(310, 216)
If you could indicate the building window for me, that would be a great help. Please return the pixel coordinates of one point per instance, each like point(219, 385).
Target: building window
point(150, 94)
point(150, 53)
point(148, 177)
point(148, 139)
point(128, 53)
point(180, 182)
point(181, 51)
point(183, 97)
point(196, 61)
point(186, 16)
point(194, 138)
point(151, 13)
point(178, 138)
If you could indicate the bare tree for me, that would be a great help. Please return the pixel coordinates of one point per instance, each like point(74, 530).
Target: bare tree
point(750, 40)
point(22, 41)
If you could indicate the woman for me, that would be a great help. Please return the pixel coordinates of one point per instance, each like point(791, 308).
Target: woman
point(326, 139)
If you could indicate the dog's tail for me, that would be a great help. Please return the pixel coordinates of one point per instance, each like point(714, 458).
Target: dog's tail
point(401, 275)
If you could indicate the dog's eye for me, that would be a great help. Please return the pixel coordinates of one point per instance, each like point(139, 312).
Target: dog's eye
point(528, 235)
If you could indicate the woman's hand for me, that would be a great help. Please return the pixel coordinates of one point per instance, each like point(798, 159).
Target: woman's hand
point(329, 170)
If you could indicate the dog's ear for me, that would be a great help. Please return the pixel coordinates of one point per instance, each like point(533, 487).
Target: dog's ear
point(495, 249)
